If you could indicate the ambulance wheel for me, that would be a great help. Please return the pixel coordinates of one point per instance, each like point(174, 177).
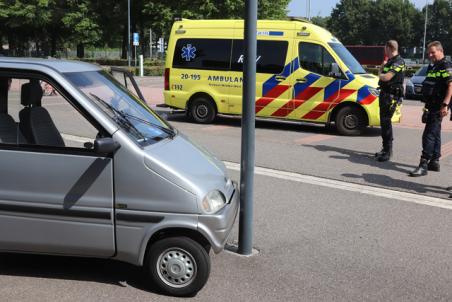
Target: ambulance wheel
point(350, 121)
point(202, 110)
point(179, 266)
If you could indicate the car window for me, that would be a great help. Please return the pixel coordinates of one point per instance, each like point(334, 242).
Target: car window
point(421, 72)
point(271, 56)
point(315, 58)
point(129, 112)
point(44, 117)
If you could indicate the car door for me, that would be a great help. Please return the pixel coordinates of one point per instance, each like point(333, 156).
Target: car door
point(314, 91)
point(55, 198)
point(126, 78)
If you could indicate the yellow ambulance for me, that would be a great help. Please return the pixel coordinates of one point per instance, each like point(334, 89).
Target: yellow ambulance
point(302, 73)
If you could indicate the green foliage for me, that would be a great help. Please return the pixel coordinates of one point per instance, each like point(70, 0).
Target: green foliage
point(47, 27)
point(373, 22)
point(321, 21)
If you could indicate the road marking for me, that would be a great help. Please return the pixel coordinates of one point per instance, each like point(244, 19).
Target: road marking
point(216, 128)
point(352, 187)
point(330, 183)
point(313, 139)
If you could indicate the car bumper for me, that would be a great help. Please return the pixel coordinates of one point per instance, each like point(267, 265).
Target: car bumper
point(217, 227)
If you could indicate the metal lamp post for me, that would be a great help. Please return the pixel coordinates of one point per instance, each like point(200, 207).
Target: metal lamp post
point(425, 30)
point(128, 32)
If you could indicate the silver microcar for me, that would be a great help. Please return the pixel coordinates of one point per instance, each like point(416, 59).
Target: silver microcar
point(88, 169)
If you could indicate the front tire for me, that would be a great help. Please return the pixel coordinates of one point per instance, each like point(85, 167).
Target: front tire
point(202, 110)
point(178, 265)
point(350, 121)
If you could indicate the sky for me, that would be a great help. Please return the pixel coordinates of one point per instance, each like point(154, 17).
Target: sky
point(324, 7)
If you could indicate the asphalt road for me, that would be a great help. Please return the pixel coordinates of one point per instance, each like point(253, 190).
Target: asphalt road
point(330, 224)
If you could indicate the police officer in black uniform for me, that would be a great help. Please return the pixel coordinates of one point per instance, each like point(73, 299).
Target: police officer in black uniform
point(437, 93)
point(391, 84)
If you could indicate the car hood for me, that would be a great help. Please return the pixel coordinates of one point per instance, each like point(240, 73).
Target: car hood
point(417, 79)
point(189, 166)
point(368, 79)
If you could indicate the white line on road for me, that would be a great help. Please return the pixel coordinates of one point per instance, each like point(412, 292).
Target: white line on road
point(330, 183)
point(346, 186)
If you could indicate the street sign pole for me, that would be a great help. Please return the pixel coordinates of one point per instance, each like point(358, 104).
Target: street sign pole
point(248, 130)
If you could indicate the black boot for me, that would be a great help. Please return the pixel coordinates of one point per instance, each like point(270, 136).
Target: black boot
point(433, 165)
point(385, 154)
point(379, 153)
point(421, 170)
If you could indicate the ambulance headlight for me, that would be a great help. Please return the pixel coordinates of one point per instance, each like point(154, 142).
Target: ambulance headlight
point(374, 92)
point(213, 202)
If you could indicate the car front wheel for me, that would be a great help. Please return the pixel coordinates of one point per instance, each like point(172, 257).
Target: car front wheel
point(178, 265)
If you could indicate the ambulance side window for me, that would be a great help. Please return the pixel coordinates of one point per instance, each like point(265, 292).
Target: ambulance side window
point(211, 54)
point(315, 58)
point(271, 56)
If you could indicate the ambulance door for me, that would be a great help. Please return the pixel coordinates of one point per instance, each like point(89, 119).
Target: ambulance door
point(314, 90)
point(272, 72)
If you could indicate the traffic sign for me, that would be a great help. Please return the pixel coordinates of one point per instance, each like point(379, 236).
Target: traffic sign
point(136, 39)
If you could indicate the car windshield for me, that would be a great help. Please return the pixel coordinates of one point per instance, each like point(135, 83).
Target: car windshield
point(140, 122)
point(421, 72)
point(347, 58)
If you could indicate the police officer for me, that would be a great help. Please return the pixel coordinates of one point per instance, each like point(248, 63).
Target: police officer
point(437, 93)
point(391, 76)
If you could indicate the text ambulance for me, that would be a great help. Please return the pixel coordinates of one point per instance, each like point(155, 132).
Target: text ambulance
point(303, 73)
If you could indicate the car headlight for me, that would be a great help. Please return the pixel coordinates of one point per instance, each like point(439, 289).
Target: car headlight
point(213, 202)
point(374, 92)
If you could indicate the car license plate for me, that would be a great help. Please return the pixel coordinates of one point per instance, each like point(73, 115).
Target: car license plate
point(418, 89)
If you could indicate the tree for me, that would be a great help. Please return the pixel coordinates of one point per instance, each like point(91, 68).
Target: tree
point(321, 21)
point(439, 25)
point(394, 19)
point(349, 21)
point(82, 19)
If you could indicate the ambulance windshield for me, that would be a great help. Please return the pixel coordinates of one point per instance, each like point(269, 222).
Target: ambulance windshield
point(347, 58)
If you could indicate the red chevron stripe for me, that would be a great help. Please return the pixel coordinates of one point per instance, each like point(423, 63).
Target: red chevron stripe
point(320, 109)
point(368, 99)
point(284, 110)
point(293, 104)
point(270, 96)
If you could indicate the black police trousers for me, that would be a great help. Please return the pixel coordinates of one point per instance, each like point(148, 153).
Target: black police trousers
point(386, 112)
point(431, 138)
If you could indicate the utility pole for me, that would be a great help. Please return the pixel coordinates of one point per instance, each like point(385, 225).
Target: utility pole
point(248, 130)
point(150, 43)
point(425, 30)
point(128, 32)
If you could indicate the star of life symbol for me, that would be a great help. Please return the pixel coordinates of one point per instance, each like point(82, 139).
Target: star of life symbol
point(188, 52)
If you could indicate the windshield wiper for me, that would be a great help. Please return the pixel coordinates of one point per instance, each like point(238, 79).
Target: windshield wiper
point(169, 131)
point(120, 117)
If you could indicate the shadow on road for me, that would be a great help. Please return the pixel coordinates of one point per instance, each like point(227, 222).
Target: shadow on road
point(363, 158)
point(283, 125)
point(80, 269)
point(368, 159)
point(389, 182)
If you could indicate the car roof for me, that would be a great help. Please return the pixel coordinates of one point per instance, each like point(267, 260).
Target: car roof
point(56, 64)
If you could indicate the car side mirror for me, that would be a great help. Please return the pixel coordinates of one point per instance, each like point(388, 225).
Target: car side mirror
point(335, 71)
point(105, 145)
